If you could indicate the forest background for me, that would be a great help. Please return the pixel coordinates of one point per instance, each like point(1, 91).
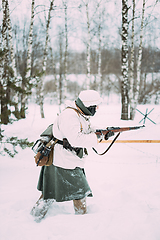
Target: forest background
point(58, 48)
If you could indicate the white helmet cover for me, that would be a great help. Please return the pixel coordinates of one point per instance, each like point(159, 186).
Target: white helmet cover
point(90, 98)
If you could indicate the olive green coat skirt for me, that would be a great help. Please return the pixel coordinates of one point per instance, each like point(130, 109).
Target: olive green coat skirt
point(63, 184)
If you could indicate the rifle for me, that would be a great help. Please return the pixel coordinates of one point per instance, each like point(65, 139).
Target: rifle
point(113, 129)
point(116, 129)
point(45, 150)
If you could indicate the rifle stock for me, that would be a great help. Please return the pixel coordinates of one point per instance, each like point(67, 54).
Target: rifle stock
point(116, 129)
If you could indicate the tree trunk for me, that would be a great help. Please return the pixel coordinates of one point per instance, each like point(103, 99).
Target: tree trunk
point(40, 87)
point(139, 63)
point(10, 39)
point(99, 80)
point(8, 66)
point(131, 70)
point(1, 81)
point(13, 64)
point(66, 50)
point(88, 76)
point(88, 50)
point(124, 83)
point(30, 41)
point(28, 64)
point(5, 65)
point(60, 70)
point(47, 37)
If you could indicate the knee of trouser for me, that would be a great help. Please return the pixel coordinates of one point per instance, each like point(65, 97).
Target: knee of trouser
point(80, 206)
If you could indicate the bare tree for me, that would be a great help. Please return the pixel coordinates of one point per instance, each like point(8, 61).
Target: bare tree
point(10, 38)
point(88, 47)
point(139, 61)
point(6, 71)
point(59, 82)
point(66, 48)
point(89, 20)
point(131, 69)
point(99, 75)
point(124, 58)
point(28, 62)
point(1, 80)
point(40, 95)
point(135, 88)
point(15, 92)
point(30, 41)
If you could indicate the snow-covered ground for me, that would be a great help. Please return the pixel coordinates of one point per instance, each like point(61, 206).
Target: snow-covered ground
point(125, 184)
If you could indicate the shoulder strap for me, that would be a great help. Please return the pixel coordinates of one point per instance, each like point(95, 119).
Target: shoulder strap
point(75, 109)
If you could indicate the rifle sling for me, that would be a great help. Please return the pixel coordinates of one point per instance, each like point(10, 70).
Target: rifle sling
point(108, 147)
point(58, 141)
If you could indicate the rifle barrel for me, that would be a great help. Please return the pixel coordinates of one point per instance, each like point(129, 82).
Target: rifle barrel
point(117, 129)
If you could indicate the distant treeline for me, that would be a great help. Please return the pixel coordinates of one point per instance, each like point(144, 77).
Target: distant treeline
point(111, 61)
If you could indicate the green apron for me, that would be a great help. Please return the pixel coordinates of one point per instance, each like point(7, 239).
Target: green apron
point(63, 184)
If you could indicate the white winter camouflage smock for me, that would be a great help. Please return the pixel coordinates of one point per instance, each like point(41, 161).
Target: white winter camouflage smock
point(68, 125)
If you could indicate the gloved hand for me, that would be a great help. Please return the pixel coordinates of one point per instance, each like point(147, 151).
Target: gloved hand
point(108, 135)
point(66, 144)
point(100, 136)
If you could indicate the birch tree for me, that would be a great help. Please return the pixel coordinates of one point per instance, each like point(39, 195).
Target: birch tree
point(10, 38)
point(124, 59)
point(131, 69)
point(99, 75)
point(5, 91)
point(26, 79)
point(60, 79)
point(88, 59)
point(15, 91)
point(1, 80)
point(89, 20)
point(136, 87)
point(30, 41)
point(40, 95)
point(66, 48)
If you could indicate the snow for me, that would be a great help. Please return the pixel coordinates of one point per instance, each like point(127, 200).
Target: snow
point(125, 184)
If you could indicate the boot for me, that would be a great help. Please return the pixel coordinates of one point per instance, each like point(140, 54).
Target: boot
point(80, 206)
point(40, 208)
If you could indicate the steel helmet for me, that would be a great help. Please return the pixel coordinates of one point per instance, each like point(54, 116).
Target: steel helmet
point(87, 101)
point(90, 98)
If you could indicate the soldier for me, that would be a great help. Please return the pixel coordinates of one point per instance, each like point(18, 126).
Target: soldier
point(65, 179)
